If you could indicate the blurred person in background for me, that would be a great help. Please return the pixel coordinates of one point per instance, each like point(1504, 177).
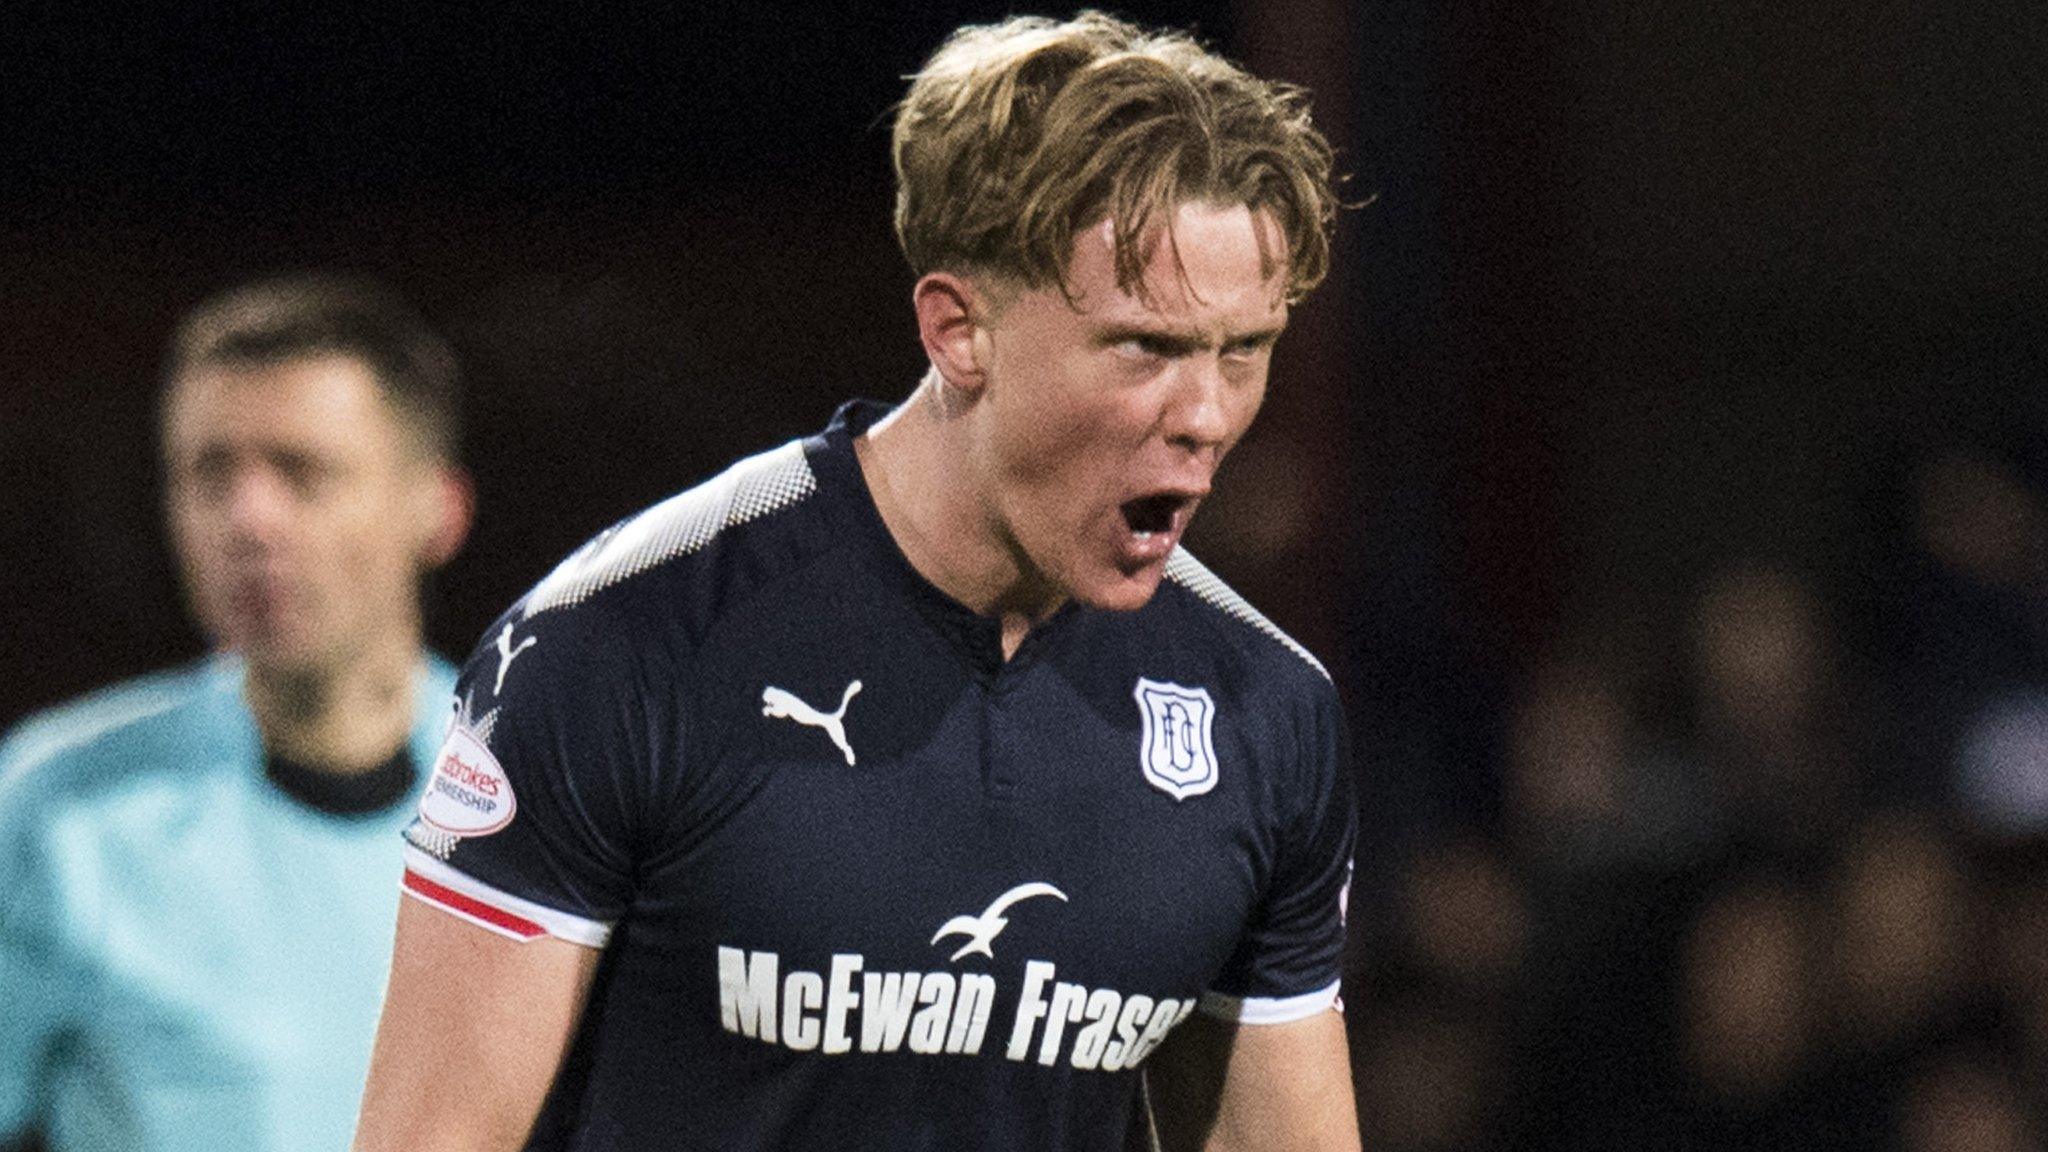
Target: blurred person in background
point(1584, 803)
point(1904, 978)
point(1950, 601)
point(1465, 922)
point(197, 868)
point(1957, 608)
point(1430, 1078)
point(1603, 838)
point(1964, 1099)
point(1442, 994)
point(2014, 889)
point(1765, 733)
point(1567, 767)
point(1901, 932)
point(1747, 1024)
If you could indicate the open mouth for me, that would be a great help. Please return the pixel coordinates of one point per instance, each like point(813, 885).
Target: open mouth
point(1151, 515)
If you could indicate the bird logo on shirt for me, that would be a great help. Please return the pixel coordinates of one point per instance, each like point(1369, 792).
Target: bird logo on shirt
point(782, 704)
point(981, 931)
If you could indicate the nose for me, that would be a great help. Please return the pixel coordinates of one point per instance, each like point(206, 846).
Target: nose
point(1208, 410)
point(257, 506)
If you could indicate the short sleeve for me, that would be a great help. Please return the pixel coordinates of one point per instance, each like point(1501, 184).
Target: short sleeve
point(1289, 964)
point(528, 821)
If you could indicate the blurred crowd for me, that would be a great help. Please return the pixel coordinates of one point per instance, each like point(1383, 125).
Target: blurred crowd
point(1788, 888)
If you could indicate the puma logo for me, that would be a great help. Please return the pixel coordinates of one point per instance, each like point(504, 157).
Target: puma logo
point(505, 654)
point(779, 703)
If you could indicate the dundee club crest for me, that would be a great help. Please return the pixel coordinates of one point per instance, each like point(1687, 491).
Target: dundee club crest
point(1178, 748)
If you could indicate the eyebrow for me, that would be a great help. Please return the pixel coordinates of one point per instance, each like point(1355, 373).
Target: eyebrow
point(1181, 341)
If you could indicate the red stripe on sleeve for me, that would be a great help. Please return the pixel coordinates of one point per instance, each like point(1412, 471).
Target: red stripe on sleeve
point(469, 906)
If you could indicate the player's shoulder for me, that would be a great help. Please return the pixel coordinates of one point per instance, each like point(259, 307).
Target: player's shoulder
point(112, 732)
point(1239, 635)
point(682, 561)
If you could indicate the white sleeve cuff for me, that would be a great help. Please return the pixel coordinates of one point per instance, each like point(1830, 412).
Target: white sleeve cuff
point(430, 881)
point(1269, 1010)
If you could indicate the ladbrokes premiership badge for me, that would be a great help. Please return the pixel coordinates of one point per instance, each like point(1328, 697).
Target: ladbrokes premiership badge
point(468, 794)
point(1178, 748)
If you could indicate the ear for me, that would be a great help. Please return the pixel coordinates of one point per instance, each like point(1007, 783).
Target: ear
point(951, 311)
point(448, 506)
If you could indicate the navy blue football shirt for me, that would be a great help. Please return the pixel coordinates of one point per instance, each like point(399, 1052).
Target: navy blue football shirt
point(859, 881)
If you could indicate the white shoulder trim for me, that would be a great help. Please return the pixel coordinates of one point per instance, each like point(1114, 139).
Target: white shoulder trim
point(1266, 1010)
point(678, 526)
point(1191, 574)
point(431, 882)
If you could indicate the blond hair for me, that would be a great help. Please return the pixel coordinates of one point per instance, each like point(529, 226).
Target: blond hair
point(1017, 136)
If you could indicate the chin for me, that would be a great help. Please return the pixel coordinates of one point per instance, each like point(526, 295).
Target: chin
point(1114, 591)
point(278, 650)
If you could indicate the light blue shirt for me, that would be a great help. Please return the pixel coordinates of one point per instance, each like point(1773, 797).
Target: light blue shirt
point(190, 958)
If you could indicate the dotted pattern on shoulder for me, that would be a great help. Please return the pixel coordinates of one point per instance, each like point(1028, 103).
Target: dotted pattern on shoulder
point(1191, 574)
point(479, 727)
point(425, 837)
point(678, 526)
point(434, 842)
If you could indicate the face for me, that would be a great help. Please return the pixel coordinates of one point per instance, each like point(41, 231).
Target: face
point(301, 508)
point(1104, 419)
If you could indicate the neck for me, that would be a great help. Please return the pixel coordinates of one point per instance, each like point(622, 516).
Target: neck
point(345, 719)
point(918, 463)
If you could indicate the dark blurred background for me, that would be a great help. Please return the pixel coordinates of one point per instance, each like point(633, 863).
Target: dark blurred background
point(1662, 474)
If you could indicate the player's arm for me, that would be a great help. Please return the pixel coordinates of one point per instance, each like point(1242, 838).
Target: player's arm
point(475, 1026)
point(516, 869)
point(1221, 1086)
point(1264, 1065)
